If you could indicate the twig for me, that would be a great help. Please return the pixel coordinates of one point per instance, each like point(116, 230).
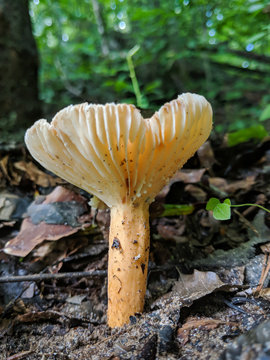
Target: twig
point(41, 277)
point(20, 355)
point(69, 275)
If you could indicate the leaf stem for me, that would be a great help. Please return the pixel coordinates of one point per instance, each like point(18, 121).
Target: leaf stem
point(133, 77)
point(259, 206)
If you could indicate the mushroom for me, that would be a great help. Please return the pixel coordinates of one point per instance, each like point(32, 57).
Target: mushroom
point(112, 152)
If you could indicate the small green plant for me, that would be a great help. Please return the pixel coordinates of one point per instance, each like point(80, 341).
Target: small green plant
point(222, 211)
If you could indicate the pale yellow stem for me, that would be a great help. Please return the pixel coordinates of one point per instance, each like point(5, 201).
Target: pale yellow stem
point(128, 262)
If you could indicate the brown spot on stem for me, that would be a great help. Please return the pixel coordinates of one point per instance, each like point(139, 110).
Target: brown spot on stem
point(120, 288)
point(143, 267)
point(116, 244)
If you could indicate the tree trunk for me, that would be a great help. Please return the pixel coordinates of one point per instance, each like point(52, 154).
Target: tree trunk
point(19, 101)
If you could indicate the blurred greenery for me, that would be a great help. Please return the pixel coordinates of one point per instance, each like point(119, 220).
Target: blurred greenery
point(255, 132)
point(219, 49)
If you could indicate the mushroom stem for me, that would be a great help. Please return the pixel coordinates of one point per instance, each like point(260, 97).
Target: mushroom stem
point(128, 262)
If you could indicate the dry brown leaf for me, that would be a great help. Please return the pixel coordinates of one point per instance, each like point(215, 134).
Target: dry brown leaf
point(196, 285)
point(234, 186)
point(12, 177)
point(196, 192)
point(171, 229)
point(244, 184)
point(218, 182)
point(188, 176)
point(206, 155)
point(31, 235)
point(35, 316)
point(62, 194)
point(37, 176)
point(4, 167)
point(265, 293)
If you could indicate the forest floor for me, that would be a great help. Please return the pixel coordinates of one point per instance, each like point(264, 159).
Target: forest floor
point(203, 298)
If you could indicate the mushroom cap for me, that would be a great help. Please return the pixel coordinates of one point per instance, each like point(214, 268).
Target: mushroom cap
point(112, 152)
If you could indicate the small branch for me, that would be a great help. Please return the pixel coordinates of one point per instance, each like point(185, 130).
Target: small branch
point(41, 277)
point(70, 275)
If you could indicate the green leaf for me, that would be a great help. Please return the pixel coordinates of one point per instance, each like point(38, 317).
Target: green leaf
point(243, 135)
point(265, 115)
point(212, 203)
point(176, 210)
point(222, 212)
point(227, 201)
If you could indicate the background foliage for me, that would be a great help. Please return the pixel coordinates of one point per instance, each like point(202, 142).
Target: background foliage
point(219, 49)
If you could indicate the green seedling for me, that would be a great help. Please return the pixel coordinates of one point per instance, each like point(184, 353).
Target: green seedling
point(222, 211)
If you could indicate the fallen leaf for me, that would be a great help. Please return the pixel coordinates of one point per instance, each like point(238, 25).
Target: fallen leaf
point(35, 175)
point(36, 316)
point(244, 184)
point(187, 176)
point(232, 187)
point(194, 286)
point(171, 229)
point(4, 167)
point(265, 294)
point(31, 235)
point(219, 183)
point(196, 192)
point(35, 230)
point(206, 155)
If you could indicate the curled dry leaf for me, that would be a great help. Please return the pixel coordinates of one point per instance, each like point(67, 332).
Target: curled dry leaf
point(194, 286)
point(35, 175)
